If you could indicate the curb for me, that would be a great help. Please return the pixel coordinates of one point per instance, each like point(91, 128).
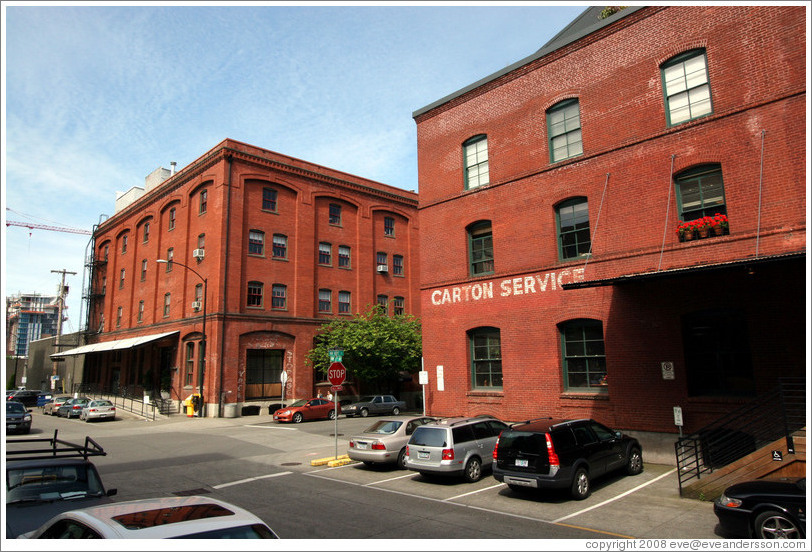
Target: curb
point(332, 461)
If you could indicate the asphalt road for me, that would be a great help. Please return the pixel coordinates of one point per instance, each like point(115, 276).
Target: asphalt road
point(266, 468)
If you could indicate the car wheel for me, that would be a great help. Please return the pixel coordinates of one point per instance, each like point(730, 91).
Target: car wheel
point(395, 411)
point(580, 485)
point(297, 418)
point(775, 525)
point(473, 470)
point(331, 415)
point(364, 412)
point(402, 458)
point(635, 463)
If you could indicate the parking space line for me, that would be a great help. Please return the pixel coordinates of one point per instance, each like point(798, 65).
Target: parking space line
point(621, 495)
point(250, 479)
point(474, 492)
point(390, 479)
point(272, 427)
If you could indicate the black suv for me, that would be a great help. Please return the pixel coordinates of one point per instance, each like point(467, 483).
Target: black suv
point(45, 477)
point(560, 454)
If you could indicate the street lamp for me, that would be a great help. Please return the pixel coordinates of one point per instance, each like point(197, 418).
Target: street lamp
point(202, 370)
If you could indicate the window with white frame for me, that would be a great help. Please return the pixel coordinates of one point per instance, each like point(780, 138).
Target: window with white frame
point(325, 253)
point(279, 297)
point(344, 256)
point(325, 300)
point(344, 302)
point(280, 246)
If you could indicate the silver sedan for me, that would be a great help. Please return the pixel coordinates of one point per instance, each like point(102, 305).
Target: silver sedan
point(384, 442)
point(98, 409)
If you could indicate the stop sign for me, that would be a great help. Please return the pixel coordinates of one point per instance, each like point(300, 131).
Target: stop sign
point(336, 373)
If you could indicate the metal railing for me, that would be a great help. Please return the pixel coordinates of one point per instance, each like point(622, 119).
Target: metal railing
point(766, 419)
point(122, 397)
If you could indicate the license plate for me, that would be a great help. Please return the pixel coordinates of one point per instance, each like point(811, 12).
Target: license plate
point(12, 426)
point(422, 455)
point(521, 463)
point(363, 446)
point(276, 417)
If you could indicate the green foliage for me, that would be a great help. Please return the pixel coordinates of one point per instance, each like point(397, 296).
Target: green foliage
point(610, 10)
point(376, 347)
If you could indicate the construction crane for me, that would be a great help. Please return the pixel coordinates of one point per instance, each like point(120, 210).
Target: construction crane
point(31, 226)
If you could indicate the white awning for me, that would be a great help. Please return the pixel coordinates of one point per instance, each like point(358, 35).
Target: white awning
point(128, 343)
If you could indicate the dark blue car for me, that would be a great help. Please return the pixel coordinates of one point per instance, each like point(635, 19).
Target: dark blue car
point(18, 418)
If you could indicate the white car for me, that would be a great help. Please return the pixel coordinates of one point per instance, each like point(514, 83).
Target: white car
point(177, 517)
point(98, 409)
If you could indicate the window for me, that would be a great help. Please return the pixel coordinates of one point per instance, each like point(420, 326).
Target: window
point(199, 293)
point(486, 357)
point(201, 241)
point(717, 353)
point(335, 214)
point(686, 87)
point(480, 246)
point(475, 152)
point(383, 303)
point(119, 314)
point(279, 297)
point(701, 192)
point(172, 214)
point(344, 302)
point(344, 256)
point(104, 285)
point(256, 242)
point(381, 257)
point(204, 199)
point(106, 255)
point(325, 300)
point(167, 303)
point(146, 232)
point(280, 246)
point(389, 226)
point(170, 256)
point(269, 199)
point(325, 253)
point(190, 365)
point(584, 356)
point(141, 311)
point(143, 270)
point(254, 294)
point(397, 265)
point(124, 243)
point(564, 130)
point(121, 279)
point(398, 305)
point(573, 228)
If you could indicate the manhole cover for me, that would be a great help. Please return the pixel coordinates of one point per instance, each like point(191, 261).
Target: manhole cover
point(339, 435)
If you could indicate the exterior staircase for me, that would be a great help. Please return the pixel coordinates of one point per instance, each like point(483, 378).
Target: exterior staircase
point(763, 439)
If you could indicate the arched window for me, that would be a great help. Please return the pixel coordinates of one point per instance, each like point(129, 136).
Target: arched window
point(700, 192)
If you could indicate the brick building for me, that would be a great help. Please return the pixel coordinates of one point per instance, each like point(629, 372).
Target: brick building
point(554, 279)
point(267, 246)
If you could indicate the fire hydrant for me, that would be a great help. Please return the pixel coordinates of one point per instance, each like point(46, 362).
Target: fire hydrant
point(190, 407)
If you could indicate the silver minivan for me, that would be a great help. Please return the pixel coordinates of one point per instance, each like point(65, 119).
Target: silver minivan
point(454, 446)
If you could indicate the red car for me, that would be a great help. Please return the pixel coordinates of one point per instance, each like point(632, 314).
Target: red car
point(307, 409)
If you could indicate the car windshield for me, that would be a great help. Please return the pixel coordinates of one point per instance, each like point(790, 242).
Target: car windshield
point(15, 408)
point(385, 427)
point(429, 437)
point(300, 402)
point(45, 483)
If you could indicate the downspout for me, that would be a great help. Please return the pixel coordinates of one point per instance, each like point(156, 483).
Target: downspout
point(760, 186)
point(229, 158)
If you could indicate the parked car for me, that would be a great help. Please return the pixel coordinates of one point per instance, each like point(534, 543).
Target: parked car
point(28, 397)
point(72, 408)
point(45, 480)
point(18, 417)
point(764, 509)
point(454, 446)
point(307, 409)
point(374, 404)
point(555, 454)
point(98, 409)
point(176, 517)
point(384, 442)
point(53, 405)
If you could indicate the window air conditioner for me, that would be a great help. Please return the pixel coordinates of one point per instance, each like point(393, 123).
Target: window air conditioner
point(196, 305)
point(383, 268)
point(199, 254)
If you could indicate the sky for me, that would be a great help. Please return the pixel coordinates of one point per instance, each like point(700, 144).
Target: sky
point(97, 96)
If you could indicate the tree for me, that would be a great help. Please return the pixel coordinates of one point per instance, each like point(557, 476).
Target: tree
point(376, 347)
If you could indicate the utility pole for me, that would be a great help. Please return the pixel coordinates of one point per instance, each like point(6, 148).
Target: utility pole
point(63, 291)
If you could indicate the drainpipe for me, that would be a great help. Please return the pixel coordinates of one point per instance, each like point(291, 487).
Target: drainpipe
point(229, 158)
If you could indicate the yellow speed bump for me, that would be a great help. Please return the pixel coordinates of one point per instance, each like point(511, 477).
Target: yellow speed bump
point(326, 461)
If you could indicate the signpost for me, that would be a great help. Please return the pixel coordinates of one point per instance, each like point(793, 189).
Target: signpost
point(283, 379)
point(336, 375)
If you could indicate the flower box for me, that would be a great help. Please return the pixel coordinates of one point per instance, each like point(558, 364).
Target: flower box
point(704, 227)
